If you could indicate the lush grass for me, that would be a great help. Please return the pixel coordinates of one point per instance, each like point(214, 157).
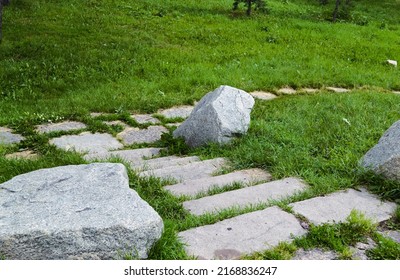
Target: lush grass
point(63, 59)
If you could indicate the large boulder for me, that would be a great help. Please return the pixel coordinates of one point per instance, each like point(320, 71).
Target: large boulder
point(75, 212)
point(218, 117)
point(384, 157)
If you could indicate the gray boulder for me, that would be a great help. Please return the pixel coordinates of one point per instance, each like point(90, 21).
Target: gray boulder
point(384, 157)
point(75, 212)
point(218, 117)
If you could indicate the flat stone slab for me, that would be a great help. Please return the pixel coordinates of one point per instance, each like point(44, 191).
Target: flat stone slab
point(337, 90)
point(87, 142)
point(194, 170)
point(63, 126)
point(7, 137)
point(75, 212)
point(194, 187)
point(176, 112)
point(246, 196)
point(136, 155)
point(245, 234)
point(163, 162)
point(315, 254)
point(138, 136)
point(287, 90)
point(117, 122)
point(263, 95)
point(309, 90)
point(336, 207)
point(22, 155)
point(144, 118)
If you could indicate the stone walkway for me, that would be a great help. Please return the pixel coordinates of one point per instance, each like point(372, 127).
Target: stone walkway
point(195, 179)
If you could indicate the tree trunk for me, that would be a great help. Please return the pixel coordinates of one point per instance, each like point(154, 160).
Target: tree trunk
point(248, 12)
point(335, 12)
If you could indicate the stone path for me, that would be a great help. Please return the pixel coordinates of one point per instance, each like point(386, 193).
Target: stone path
point(197, 179)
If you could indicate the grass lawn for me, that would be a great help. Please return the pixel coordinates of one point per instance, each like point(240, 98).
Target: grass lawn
point(64, 59)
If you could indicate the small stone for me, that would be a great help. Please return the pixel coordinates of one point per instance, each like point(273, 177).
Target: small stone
point(263, 95)
point(359, 251)
point(137, 136)
point(87, 143)
point(220, 116)
point(117, 122)
point(7, 137)
point(287, 90)
point(396, 92)
point(315, 254)
point(173, 124)
point(143, 119)
point(63, 126)
point(337, 90)
point(22, 155)
point(309, 90)
point(98, 114)
point(392, 62)
point(177, 112)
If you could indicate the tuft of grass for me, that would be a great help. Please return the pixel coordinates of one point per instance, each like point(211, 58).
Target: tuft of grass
point(387, 249)
point(283, 251)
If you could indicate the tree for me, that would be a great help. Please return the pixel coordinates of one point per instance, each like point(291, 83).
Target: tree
point(343, 5)
point(259, 5)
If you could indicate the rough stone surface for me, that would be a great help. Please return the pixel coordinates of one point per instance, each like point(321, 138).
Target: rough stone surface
point(138, 136)
point(218, 117)
point(7, 137)
point(163, 162)
point(127, 155)
point(254, 195)
point(76, 211)
point(384, 157)
point(194, 170)
point(337, 90)
point(287, 90)
point(63, 126)
point(22, 155)
point(87, 142)
point(241, 235)
point(143, 119)
point(194, 187)
point(359, 251)
point(176, 112)
point(337, 207)
point(315, 254)
point(263, 95)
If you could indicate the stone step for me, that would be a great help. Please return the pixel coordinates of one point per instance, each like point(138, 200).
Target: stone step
point(127, 155)
point(337, 207)
point(245, 234)
point(194, 187)
point(162, 162)
point(246, 196)
point(194, 170)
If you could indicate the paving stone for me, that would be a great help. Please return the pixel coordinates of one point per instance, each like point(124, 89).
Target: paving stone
point(63, 126)
point(194, 170)
point(287, 90)
point(246, 196)
point(337, 207)
point(359, 251)
point(138, 136)
point(22, 155)
point(117, 122)
point(163, 162)
point(127, 155)
point(315, 254)
point(241, 235)
point(309, 90)
point(143, 119)
point(173, 124)
point(99, 114)
point(392, 234)
point(337, 90)
point(396, 92)
point(7, 137)
point(263, 95)
point(177, 112)
point(87, 142)
point(193, 187)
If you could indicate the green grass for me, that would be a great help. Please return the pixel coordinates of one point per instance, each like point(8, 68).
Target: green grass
point(61, 60)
